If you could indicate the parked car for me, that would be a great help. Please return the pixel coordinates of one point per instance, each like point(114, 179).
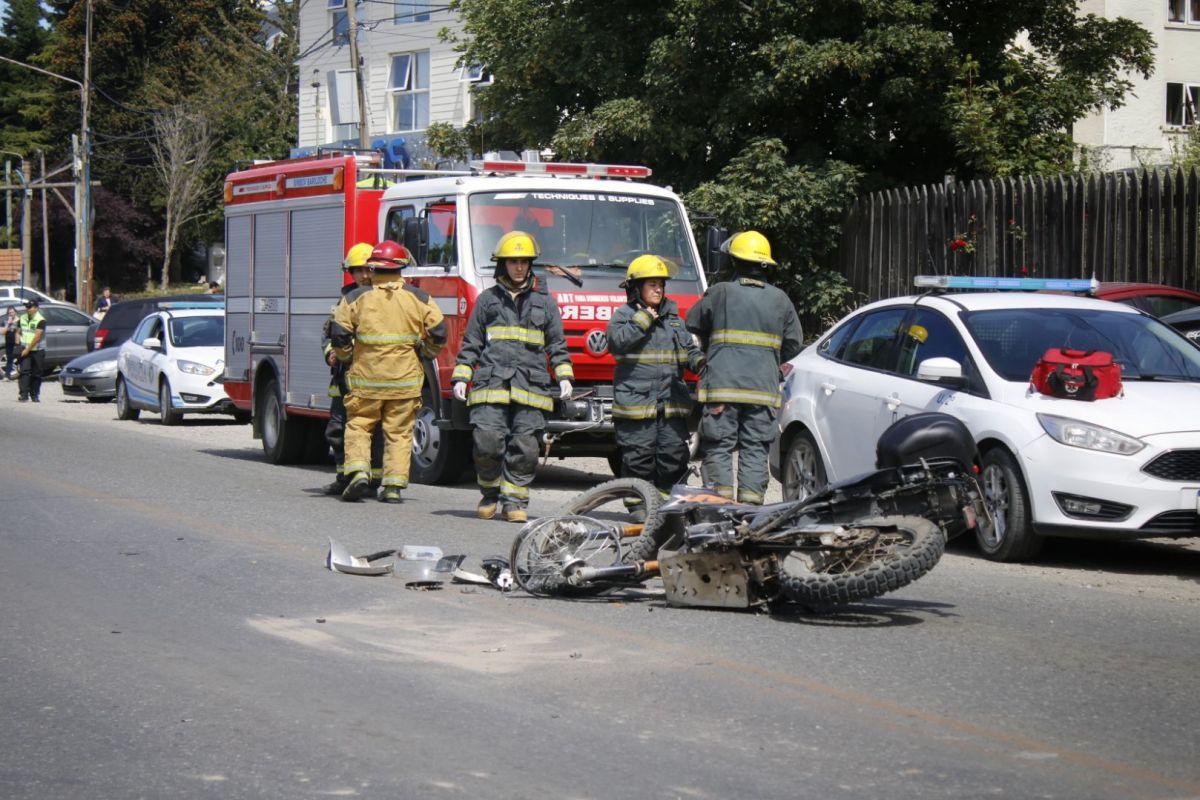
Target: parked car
point(1123, 467)
point(122, 319)
point(173, 365)
point(13, 294)
point(92, 375)
point(1156, 299)
point(1186, 322)
point(66, 334)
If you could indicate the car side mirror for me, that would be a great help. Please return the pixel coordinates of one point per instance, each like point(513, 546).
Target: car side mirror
point(715, 261)
point(942, 371)
point(152, 343)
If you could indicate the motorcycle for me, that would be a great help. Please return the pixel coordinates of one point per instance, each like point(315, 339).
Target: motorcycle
point(854, 540)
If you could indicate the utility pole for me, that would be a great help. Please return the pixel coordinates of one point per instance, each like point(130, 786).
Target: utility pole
point(85, 156)
point(27, 228)
point(358, 79)
point(7, 204)
point(45, 228)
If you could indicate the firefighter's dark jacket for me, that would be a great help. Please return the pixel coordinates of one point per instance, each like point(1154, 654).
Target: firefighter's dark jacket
point(505, 347)
point(747, 328)
point(651, 356)
point(387, 329)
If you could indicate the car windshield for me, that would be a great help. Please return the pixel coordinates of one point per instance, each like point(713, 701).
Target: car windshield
point(593, 234)
point(197, 331)
point(1012, 340)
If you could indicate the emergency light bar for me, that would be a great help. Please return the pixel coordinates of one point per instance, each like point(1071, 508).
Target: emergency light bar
point(560, 168)
point(183, 305)
point(1008, 284)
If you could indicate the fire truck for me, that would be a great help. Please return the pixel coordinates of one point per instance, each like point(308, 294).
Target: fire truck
point(288, 225)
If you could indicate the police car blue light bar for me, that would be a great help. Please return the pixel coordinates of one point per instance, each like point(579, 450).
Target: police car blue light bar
point(1011, 284)
point(184, 305)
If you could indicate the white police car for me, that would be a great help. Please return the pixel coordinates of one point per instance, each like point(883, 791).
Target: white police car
point(173, 363)
point(1126, 466)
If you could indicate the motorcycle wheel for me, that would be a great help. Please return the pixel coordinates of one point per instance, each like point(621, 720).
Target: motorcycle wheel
point(544, 546)
point(905, 549)
point(607, 501)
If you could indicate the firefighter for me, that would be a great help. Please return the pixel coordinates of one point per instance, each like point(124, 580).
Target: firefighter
point(356, 274)
point(514, 327)
point(651, 402)
point(747, 328)
point(386, 330)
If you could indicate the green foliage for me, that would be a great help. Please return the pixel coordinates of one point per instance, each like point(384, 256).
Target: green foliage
point(1186, 152)
point(446, 141)
point(799, 208)
point(23, 92)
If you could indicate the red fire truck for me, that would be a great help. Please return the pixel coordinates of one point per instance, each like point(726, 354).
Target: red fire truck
point(288, 225)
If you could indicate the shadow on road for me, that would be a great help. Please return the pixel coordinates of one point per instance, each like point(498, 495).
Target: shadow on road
point(1180, 558)
point(873, 614)
point(249, 454)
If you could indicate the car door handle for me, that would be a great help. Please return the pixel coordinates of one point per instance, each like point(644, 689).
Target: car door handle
point(893, 402)
point(829, 388)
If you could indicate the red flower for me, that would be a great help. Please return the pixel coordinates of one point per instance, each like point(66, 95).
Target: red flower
point(1012, 222)
point(1024, 270)
point(957, 244)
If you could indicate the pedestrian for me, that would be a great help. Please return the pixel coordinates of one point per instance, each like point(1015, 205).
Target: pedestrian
point(651, 402)
point(747, 328)
point(12, 333)
point(213, 288)
point(386, 331)
point(514, 327)
point(33, 352)
point(356, 275)
point(104, 302)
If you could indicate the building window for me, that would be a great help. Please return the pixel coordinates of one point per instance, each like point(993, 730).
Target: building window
point(343, 105)
point(410, 11)
point(476, 74)
point(1183, 11)
point(341, 27)
point(1182, 101)
point(408, 85)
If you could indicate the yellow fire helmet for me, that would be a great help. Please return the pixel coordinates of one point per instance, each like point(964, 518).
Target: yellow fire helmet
point(648, 266)
point(749, 246)
point(516, 244)
point(358, 255)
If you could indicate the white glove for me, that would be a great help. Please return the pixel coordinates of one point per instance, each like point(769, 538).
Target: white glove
point(460, 391)
point(564, 389)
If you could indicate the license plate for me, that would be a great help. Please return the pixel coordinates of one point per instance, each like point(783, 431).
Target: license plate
point(71, 382)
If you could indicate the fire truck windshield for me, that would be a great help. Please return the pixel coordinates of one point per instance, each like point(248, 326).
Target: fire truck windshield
point(596, 234)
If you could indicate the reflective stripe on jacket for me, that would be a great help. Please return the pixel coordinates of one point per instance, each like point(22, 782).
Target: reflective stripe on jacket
point(505, 347)
point(387, 329)
point(29, 326)
point(651, 355)
point(747, 328)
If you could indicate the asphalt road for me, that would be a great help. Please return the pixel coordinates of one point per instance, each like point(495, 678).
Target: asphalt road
point(168, 629)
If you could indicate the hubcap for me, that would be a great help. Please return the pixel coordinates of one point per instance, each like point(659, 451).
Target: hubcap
point(995, 495)
point(802, 472)
point(270, 424)
point(426, 437)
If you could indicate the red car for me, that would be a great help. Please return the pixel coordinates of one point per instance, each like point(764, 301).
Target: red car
point(1156, 299)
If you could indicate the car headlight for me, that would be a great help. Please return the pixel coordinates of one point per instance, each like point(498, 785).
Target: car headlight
point(1090, 437)
point(101, 366)
point(193, 368)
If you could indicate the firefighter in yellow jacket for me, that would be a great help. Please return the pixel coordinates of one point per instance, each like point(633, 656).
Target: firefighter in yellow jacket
point(385, 331)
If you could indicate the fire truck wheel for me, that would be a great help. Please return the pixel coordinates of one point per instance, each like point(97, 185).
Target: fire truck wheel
point(282, 438)
point(438, 455)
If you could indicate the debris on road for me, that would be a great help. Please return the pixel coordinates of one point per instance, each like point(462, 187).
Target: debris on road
point(340, 560)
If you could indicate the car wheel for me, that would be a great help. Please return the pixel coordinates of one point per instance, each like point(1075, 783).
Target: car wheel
point(165, 415)
point(1009, 535)
point(803, 470)
point(125, 409)
point(282, 437)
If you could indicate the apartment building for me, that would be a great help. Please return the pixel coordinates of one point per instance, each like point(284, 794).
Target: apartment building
point(1157, 112)
point(410, 77)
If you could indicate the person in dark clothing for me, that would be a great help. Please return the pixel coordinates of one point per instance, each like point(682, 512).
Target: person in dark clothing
point(12, 333)
point(514, 327)
point(747, 328)
point(651, 401)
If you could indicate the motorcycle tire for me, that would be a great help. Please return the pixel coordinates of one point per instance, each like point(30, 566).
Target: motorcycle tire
point(544, 545)
point(645, 546)
point(906, 549)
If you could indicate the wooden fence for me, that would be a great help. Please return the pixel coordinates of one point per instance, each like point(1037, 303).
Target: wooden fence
point(1127, 226)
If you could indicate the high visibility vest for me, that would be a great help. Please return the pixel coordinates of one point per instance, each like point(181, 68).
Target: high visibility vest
point(29, 327)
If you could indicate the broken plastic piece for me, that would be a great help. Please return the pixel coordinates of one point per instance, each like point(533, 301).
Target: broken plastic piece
point(416, 552)
point(340, 560)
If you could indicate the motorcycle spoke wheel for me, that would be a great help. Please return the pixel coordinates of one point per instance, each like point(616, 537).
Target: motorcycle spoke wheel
point(621, 502)
point(545, 547)
point(882, 555)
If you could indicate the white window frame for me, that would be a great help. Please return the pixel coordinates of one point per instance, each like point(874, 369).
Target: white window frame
point(333, 5)
point(407, 86)
point(1189, 96)
point(408, 12)
point(476, 74)
point(1183, 12)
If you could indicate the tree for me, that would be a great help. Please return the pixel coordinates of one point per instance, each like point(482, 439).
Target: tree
point(184, 147)
point(23, 92)
point(905, 91)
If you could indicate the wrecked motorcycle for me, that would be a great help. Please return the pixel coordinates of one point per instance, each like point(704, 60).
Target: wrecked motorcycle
point(854, 540)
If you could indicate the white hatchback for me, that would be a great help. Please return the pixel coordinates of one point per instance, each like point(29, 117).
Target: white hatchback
point(173, 363)
point(1127, 466)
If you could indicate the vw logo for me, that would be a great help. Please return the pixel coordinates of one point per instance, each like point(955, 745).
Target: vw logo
point(597, 342)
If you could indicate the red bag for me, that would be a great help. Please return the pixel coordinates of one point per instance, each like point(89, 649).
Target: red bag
point(1077, 374)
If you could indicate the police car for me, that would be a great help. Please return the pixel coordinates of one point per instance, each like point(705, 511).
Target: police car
point(1122, 467)
point(172, 364)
